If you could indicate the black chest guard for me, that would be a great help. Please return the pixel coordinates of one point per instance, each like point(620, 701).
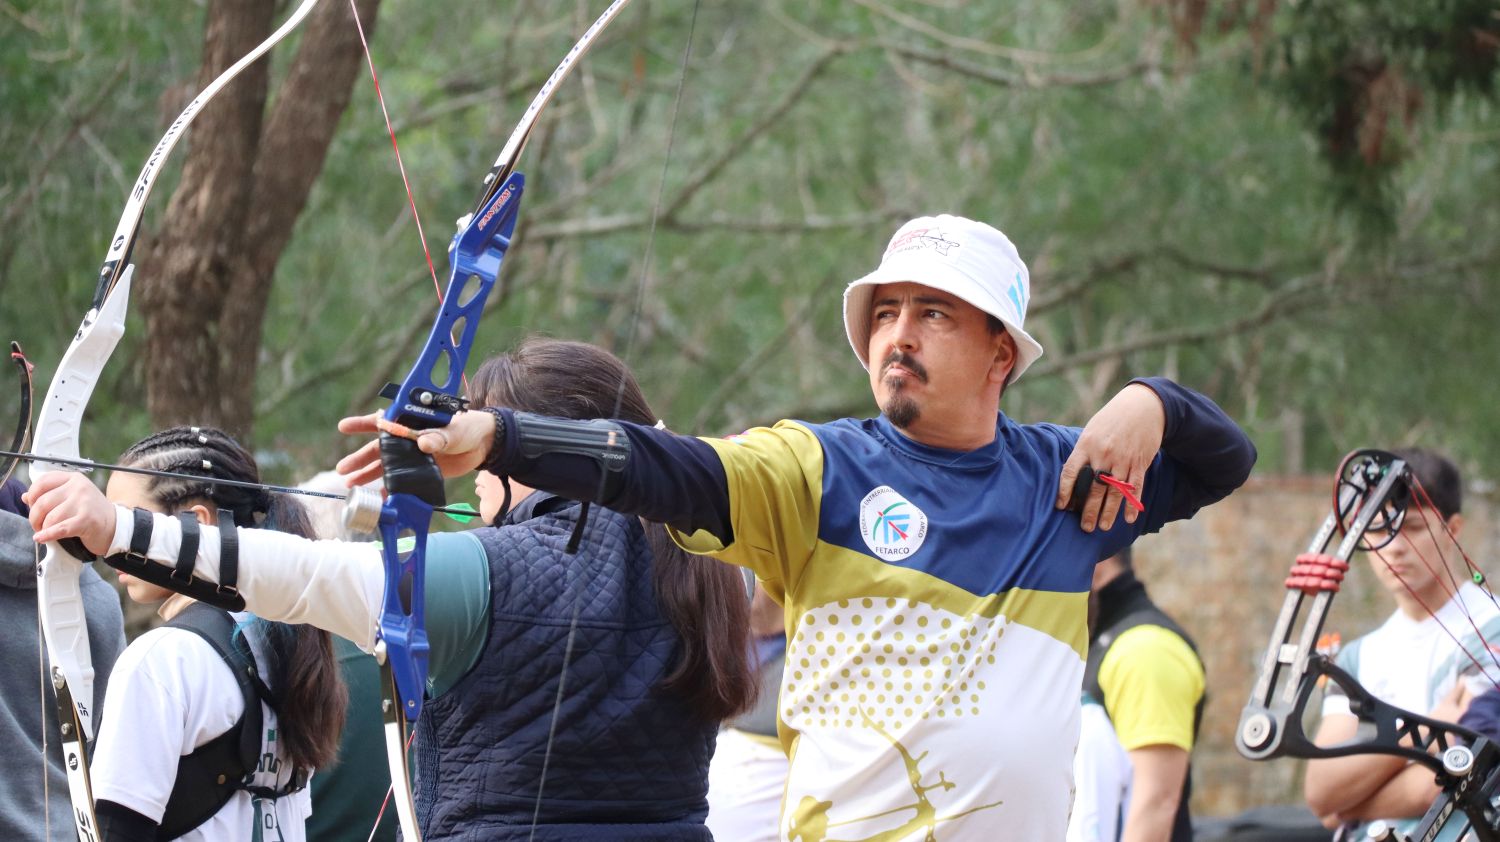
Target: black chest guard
point(211, 775)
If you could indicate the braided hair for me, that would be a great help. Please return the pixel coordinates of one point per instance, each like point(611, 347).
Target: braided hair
point(302, 668)
point(211, 454)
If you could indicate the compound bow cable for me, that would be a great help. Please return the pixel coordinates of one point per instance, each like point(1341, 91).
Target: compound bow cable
point(1475, 574)
point(1451, 587)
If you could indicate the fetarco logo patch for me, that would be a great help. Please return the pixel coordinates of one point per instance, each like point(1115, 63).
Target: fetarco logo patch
point(893, 528)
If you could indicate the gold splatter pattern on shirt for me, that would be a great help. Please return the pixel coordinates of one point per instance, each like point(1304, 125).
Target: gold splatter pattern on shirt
point(899, 660)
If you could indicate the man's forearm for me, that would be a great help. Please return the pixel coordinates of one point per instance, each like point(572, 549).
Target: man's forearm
point(1150, 821)
point(1406, 795)
point(1215, 455)
point(1338, 784)
point(1157, 775)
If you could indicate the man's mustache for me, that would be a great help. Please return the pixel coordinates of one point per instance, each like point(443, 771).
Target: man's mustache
point(907, 362)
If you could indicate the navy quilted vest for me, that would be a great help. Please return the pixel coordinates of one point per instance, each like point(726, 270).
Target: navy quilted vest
point(627, 762)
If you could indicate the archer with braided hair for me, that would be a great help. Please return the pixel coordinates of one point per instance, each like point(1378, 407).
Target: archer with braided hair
point(212, 696)
point(580, 662)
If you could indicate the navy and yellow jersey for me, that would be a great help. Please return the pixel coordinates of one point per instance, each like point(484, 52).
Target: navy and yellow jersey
point(935, 600)
point(935, 605)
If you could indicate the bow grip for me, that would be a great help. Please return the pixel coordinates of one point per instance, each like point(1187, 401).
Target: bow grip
point(59, 598)
point(60, 603)
point(416, 487)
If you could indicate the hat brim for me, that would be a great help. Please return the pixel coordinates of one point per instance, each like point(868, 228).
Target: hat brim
point(859, 295)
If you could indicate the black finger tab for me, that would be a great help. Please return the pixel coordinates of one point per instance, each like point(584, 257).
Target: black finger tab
point(1082, 485)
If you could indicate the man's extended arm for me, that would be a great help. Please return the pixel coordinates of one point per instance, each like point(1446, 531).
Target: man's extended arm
point(679, 480)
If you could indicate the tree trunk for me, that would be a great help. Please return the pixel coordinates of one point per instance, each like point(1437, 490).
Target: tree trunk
point(207, 276)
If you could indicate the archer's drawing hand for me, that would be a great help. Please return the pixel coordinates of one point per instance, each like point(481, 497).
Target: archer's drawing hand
point(65, 504)
point(1122, 438)
point(458, 448)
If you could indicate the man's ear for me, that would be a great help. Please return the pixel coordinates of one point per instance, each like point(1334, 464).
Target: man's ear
point(205, 515)
point(1005, 359)
point(1456, 523)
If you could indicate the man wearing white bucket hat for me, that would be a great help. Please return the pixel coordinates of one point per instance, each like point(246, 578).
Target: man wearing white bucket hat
point(932, 574)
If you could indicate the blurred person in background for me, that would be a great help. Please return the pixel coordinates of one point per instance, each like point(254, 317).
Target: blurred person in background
point(1101, 778)
point(1417, 660)
point(34, 803)
point(748, 774)
point(1144, 671)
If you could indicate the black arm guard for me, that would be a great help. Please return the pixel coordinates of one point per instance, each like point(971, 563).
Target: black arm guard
point(631, 468)
point(600, 439)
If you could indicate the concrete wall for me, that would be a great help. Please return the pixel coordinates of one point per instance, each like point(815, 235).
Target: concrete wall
point(1221, 575)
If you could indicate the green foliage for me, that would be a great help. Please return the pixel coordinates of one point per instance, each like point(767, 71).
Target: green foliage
point(1173, 206)
point(1359, 74)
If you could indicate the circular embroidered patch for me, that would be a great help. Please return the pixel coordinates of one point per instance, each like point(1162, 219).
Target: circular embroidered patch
point(893, 528)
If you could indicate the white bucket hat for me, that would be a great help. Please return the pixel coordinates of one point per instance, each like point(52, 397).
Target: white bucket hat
point(958, 256)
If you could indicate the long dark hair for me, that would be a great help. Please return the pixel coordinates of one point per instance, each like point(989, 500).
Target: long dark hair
point(303, 669)
point(703, 599)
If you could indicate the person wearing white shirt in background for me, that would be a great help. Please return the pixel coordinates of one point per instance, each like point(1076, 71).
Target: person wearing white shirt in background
point(1101, 779)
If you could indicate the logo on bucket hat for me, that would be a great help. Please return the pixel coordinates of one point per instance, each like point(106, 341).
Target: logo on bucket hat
point(921, 238)
point(969, 259)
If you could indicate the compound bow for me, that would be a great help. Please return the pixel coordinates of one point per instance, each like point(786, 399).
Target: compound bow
point(1375, 489)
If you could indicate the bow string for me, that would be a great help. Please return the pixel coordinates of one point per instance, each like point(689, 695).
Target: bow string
point(428, 397)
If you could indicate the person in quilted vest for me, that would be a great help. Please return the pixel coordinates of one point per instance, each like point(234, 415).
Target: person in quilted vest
point(571, 696)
